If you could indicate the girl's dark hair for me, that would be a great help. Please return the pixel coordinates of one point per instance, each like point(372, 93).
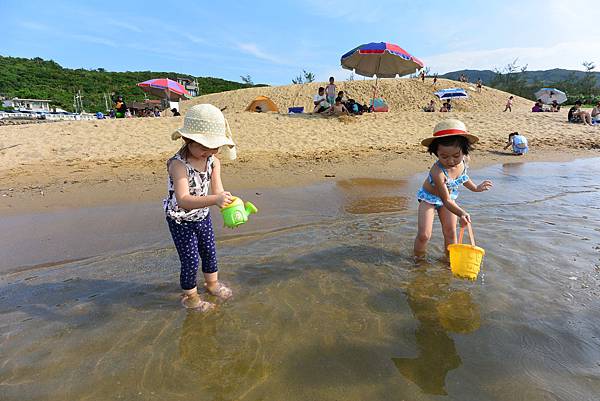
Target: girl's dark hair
point(184, 151)
point(454, 140)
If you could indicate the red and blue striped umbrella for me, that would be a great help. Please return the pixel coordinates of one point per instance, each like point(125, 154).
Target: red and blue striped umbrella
point(162, 87)
point(385, 60)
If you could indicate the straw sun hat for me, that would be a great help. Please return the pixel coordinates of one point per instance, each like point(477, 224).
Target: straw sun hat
point(450, 127)
point(205, 124)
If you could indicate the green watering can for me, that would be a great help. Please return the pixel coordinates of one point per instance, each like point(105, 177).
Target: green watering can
point(237, 213)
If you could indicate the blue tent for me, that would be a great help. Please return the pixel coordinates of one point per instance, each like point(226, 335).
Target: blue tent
point(452, 93)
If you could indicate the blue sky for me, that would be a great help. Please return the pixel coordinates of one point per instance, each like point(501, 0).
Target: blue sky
point(273, 41)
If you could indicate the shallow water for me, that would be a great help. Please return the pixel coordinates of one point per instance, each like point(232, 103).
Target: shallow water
point(332, 306)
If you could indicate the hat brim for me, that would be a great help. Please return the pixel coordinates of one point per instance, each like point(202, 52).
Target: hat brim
point(471, 138)
point(210, 141)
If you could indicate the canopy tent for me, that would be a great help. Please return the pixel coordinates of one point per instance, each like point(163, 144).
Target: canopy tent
point(262, 104)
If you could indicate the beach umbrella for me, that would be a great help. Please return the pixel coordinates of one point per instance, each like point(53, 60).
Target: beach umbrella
point(452, 93)
point(548, 95)
point(164, 87)
point(380, 59)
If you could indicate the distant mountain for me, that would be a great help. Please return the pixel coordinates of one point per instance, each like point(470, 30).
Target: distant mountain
point(543, 77)
point(45, 79)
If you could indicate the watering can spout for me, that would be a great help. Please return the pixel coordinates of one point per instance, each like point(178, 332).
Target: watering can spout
point(250, 208)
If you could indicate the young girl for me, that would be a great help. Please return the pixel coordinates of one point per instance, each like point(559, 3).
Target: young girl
point(330, 91)
point(193, 170)
point(451, 144)
point(518, 143)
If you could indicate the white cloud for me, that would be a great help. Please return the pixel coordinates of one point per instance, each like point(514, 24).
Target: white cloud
point(125, 25)
point(567, 55)
point(194, 39)
point(252, 48)
point(95, 40)
point(34, 26)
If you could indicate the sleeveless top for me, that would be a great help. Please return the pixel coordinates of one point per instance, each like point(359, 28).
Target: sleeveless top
point(198, 181)
point(452, 184)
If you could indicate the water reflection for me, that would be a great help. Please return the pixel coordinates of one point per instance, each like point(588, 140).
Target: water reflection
point(439, 310)
point(373, 195)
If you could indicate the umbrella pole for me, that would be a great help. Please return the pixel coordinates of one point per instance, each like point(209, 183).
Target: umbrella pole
point(375, 91)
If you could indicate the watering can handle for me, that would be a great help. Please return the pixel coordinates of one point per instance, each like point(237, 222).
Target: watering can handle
point(471, 235)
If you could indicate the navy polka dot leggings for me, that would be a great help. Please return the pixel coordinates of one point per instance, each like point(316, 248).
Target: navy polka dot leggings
point(193, 239)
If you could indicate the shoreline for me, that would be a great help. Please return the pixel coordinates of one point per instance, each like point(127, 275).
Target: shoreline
point(86, 184)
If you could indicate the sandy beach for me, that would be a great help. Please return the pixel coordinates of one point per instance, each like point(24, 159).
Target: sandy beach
point(86, 163)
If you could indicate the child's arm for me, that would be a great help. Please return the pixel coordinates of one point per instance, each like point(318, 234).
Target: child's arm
point(484, 186)
point(451, 205)
point(508, 144)
point(185, 200)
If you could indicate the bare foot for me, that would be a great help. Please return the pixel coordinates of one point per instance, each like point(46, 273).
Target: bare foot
point(193, 301)
point(219, 290)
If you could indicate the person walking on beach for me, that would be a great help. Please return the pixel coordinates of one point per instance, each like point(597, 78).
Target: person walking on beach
point(509, 104)
point(479, 85)
point(450, 143)
point(194, 184)
point(330, 91)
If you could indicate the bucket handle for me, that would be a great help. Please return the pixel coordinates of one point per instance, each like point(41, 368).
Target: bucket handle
point(471, 235)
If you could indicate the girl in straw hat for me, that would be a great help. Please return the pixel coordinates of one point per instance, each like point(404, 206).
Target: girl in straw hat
point(194, 184)
point(451, 144)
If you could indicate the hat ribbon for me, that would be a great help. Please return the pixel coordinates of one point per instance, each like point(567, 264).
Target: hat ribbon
point(449, 132)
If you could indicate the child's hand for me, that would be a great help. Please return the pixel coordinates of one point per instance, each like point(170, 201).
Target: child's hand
point(223, 199)
point(484, 186)
point(465, 220)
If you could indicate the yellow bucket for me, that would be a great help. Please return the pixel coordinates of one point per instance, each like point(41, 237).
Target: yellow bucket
point(465, 260)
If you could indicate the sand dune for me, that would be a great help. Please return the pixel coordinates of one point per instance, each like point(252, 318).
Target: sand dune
point(280, 149)
point(400, 94)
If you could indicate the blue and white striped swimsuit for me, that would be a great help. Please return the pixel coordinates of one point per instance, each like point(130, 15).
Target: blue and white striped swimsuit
point(451, 184)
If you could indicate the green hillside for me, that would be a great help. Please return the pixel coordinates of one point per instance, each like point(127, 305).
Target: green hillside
point(578, 85)
point(45, 79)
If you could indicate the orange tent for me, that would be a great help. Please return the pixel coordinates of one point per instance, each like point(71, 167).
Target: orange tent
point(262, 104)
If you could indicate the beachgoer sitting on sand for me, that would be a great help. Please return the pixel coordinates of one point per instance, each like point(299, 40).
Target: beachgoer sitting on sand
point(576, 115)
point(596, 113)
point(320, 102)
point(175, 112)
point(555, 107)
point(446, 106)
point(430, 107)
point(338, 108)
point(537, 107)
point(451, 144)
point(518, 143)
point(509, 104)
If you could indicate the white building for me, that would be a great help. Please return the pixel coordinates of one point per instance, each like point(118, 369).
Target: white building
point(27, 104)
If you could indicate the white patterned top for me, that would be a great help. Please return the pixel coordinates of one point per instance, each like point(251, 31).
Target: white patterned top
point(199, 183)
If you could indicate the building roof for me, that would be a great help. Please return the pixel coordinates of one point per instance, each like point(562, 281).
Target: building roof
point(31, 100)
